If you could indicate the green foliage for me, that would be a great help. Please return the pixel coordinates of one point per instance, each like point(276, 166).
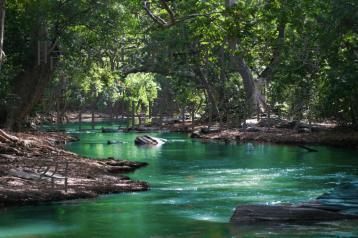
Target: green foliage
point(141, 88)
point(101, 42)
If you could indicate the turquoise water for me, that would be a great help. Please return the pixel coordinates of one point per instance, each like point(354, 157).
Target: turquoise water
point(195, 187)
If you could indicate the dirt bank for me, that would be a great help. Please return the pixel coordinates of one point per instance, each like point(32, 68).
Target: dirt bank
point(318, 134)
point(337, 138)
point(35, 168)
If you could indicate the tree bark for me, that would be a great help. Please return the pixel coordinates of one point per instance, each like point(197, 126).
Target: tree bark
point(237, 62)
point(92, 113)
point(2, 30)
point(80, 119)
point(139, 108)
point(30, 84)
point(133, 113)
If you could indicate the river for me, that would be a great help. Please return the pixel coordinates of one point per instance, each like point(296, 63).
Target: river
point(195, 187)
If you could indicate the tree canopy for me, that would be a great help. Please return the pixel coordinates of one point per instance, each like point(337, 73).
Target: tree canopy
point(227, 60)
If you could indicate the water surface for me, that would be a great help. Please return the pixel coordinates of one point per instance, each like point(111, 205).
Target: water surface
point(194, 188)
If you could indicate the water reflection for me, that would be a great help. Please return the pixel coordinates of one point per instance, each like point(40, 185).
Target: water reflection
point(194, 188)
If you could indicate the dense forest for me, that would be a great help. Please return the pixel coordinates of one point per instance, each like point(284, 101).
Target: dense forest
point(222, 61)
point(209, 118)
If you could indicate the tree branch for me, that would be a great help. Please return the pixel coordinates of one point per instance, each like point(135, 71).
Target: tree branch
point(268, 72)
point(173, 19)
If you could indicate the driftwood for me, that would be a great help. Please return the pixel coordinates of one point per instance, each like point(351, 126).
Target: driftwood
point(149, 140)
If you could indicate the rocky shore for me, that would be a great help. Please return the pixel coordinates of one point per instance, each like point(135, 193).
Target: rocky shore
point(34, 168)
point(333, 138)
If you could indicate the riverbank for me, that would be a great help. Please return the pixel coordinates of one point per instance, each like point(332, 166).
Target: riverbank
point(318, 134)
point(34, 168)
point(335, 138)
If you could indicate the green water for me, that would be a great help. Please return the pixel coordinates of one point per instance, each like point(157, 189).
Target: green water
point(194, 188)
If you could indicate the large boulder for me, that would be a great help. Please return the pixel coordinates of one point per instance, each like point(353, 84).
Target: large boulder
point(148, 140)
point(267, 213)
point(340, 203)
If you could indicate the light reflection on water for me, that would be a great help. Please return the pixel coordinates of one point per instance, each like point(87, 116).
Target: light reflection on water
point(194, 189)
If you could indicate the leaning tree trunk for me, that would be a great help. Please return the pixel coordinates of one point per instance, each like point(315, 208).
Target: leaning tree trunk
point(238, 64)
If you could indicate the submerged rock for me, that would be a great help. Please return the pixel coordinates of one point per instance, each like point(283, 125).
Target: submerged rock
point(109, 130)
point(112, 142)
point(340, 203)
point(344, 198)
point(148, 140)
point(267, 213)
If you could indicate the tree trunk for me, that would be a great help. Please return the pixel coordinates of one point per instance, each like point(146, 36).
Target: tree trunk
point(92, 114)
point(93, 119)
point(150, 110)
point(80, 119)
point(29, 86)
point(133, 113)
point(139, 115)
point(112, 111)
point(2, 30)
point(183, 114)
point(237, 62)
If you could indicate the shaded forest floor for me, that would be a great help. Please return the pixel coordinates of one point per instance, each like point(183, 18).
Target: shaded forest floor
point(35, 168)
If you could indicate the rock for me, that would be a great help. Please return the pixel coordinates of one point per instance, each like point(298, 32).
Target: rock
point(252, 129)
point(307, 148)
point(303, 130)
point(270, 122)
point(207, 130)
point(340, 203)
point(145, 129)
point(113, 162)
point(149, 140)
point(287, 125)
point(195, 134)
point(344, 196)
point(120, 169)
point(109, 130)
point(266, 213)
point(112, 142)
point(316, 129)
